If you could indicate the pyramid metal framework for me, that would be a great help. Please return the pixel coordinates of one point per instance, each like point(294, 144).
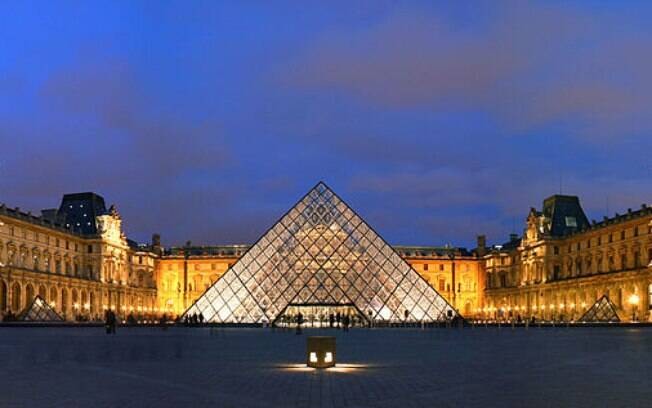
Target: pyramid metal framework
point(321, 253)
point(602, 311)
point(39, 311)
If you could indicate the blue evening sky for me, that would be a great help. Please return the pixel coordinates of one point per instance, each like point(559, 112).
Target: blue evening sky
point(205, 121)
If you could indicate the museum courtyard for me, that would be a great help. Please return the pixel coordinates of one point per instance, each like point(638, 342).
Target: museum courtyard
point(253, 367)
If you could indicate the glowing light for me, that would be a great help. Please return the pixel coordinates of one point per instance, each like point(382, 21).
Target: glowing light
point(633, 299)
point(313, 357)
point(328, 358)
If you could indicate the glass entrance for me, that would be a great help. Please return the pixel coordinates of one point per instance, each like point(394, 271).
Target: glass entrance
point(321, 315)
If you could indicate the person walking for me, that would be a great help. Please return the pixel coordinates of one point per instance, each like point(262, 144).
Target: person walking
point(107, 321)
point(299, 322)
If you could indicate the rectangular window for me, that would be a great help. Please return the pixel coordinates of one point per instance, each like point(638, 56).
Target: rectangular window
point(90, 249)
point(623, 261)
point(425, 267)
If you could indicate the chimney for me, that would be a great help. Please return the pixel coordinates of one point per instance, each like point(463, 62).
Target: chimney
point(156, 243)
point(482, 245)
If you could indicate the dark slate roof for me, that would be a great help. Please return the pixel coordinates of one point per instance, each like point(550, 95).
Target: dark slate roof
point(78, 211)
point(207, 250)
point(566, 215)
point(430, 251)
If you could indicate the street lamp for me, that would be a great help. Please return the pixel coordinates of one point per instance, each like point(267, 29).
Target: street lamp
point(633, 301)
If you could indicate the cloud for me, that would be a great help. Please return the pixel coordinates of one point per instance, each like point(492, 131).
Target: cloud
point(530, 66)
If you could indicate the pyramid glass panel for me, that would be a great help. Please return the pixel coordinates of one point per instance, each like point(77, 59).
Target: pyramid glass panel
point(40, 311)
point(602, 311)
point(321, 253)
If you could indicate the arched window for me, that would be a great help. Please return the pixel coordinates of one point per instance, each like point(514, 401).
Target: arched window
point(29, 294)
point(15, 297)
point(3, 296)
point(53, 296)
point(64, 300)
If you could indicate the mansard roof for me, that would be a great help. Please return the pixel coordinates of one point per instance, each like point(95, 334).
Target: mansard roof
point(78, 211)
point(566, 215)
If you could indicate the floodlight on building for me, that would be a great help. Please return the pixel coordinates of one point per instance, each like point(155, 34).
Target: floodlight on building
point(633, 299)
point(87, 306)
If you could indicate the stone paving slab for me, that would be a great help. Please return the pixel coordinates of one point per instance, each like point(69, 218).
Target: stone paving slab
point(200, 367)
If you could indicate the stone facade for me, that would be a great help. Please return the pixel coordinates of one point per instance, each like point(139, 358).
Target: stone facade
point(79, 274)
point(557, 270)
point(558, 276)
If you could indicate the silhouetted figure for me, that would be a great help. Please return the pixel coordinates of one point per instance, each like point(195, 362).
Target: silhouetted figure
point(346, 322)
point(201, 318)
point(299, 322)
point(331, 320)
point(338, 319)
point(110, 322)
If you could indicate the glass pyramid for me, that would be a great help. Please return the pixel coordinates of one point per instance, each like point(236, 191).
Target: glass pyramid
point(602, 311)
point(321, 253)
point(39, 311)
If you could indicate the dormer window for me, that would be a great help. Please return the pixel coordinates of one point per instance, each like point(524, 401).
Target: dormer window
point(571, 222)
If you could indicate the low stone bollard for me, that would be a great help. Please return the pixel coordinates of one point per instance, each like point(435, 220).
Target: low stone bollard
point(320, 351)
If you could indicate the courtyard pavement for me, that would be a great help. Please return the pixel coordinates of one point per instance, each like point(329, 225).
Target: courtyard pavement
point(201, 367)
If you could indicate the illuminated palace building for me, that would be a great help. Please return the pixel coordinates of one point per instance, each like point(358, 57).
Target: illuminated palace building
point(322, 257)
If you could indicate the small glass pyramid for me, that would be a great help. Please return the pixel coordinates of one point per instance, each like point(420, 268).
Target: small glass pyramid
point(602, 311)
point(39, 311)
point(321, 253)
